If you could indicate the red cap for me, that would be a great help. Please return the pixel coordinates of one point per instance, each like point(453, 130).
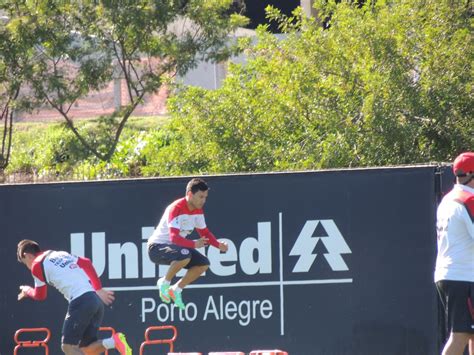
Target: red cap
point(464, 164)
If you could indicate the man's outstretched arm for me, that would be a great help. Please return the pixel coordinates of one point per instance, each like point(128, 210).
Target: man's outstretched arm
point(40, 291)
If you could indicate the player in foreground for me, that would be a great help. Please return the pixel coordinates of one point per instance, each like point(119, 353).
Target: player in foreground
point(76, 278)
point(454, 272)
point(168, 244)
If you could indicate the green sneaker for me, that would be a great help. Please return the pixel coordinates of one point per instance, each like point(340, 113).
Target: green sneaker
point(121, 344)
point(177, 299)
point(164, 291)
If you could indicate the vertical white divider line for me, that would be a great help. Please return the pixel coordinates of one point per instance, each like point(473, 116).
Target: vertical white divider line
point(282, 301)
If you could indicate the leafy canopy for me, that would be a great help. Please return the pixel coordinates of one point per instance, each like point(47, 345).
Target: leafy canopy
point(80, 47)
point(385, 83)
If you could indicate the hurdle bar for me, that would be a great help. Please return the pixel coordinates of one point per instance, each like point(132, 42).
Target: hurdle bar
point(32, 343)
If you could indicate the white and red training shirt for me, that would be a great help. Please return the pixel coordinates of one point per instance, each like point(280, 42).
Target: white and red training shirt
point(178, 222)
point(69, 274)
point(455, 226)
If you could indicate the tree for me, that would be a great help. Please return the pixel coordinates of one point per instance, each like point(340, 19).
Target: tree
point(85, 45)
point(387, 83)
point(16, 56)
point(9, 91)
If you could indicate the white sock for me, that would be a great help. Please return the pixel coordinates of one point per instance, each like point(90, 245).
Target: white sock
point(108, 343)
point(176, 288)
point(163, 281)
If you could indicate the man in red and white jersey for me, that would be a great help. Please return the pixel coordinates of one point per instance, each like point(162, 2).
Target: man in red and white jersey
point(76, 278)
point(168, 244)
point(454, 272)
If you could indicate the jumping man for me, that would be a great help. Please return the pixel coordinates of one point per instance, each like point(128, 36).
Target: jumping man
point(77, 280)
point(168, 244)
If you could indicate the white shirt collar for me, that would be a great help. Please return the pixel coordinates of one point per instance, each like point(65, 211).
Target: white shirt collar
point(464, 187)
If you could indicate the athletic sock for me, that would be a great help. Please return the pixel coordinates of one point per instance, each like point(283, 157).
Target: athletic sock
point(176, 288)
point(108, 343)
point(164, 281)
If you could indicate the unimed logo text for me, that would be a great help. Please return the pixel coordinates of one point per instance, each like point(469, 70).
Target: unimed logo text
point(317, 241)
point(253, 255)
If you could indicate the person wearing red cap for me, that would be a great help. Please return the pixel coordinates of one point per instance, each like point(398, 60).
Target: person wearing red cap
point(454, 271)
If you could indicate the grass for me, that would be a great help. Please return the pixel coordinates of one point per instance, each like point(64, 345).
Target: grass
point(146, 123)
point(133, 124)
point(40, 143)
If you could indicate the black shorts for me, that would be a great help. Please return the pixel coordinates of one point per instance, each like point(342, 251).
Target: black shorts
point(83, 319)
point(458, 302)
point(164, 254)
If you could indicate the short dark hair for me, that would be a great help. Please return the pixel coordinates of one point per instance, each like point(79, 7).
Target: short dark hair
point(27, 246)
point(195, 185)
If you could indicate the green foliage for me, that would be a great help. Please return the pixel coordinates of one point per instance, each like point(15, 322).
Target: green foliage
point(386, 84)
point(76, 48)
point(383, 84)
point(52, 152)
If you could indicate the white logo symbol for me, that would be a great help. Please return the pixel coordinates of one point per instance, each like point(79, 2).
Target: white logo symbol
point(332, 239)
point(184, 251)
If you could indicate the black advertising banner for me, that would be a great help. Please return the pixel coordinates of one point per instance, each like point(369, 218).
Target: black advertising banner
point(332, 262)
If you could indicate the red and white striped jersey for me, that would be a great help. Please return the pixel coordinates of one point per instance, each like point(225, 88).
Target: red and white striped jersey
point(67, 273)
point(178, 222)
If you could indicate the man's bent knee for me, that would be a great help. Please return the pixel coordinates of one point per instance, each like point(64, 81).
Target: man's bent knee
point(202, 268)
